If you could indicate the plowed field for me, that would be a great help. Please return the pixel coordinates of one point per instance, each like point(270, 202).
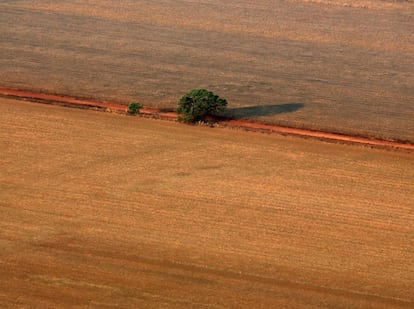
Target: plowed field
point(108, 211)
point(333, 65)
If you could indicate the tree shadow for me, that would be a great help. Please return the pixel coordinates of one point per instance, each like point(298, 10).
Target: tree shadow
point(263, 110)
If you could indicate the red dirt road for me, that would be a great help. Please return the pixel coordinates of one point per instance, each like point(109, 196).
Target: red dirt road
point(243, 124)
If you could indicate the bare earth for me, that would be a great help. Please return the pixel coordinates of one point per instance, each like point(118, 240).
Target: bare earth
point(334, 65)
point(101, 210)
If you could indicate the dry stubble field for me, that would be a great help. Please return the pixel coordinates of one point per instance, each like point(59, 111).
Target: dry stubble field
point(335, 65)
point(109, 211)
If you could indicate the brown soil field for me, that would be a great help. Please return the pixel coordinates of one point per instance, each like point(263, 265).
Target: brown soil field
point(331, 65)
point(101, 210)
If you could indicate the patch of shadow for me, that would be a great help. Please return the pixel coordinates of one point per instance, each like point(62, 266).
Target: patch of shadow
point(263, 110)
point(167, 109)
point(182, 174)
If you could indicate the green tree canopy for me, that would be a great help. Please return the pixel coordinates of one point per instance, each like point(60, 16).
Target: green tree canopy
point(134, 107)
point(198, 103)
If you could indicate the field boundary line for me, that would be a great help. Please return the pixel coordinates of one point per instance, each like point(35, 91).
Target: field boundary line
point(83, 103)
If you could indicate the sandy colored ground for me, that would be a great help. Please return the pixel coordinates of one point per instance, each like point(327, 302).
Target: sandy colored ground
point(104, 211)
point(335, 65)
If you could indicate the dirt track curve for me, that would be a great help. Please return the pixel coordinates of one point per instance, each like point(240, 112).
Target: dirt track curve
point(243, 124)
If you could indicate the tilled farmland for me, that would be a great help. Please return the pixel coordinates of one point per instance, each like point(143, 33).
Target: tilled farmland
point(331, 65)
point(103, 210)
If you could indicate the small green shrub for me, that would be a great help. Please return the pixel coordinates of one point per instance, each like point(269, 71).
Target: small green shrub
point(133, 108)
point(197, 104)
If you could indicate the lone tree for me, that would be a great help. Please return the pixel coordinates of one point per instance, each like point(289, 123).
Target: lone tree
point(197, 104)
point(134, 107)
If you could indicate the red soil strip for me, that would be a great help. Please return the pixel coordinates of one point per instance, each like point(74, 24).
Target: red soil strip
point(336, 137)
point(60, 100)
point(242, 124)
